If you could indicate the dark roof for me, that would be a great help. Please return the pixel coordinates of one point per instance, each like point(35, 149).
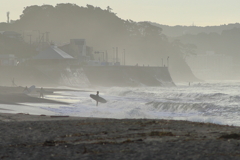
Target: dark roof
point(52, 52)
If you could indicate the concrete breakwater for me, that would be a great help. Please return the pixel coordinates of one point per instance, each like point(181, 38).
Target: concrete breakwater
point(76, 76)
point(128, 76)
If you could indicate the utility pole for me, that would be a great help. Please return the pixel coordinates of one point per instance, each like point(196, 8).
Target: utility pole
point(41, 42)
point(39, 36)
point(47, 37)
point(30, 39)
point(103, 56)
point(124, 56)
point(167, 61)
point(106, 56)
point(113, 54)
point(8, 13)
point(23, 35)
point(116, 54)
point(42, 39)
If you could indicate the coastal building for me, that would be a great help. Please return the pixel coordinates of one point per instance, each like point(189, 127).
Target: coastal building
point(52, 55)
point(84, 54)
point(78, 49)
point(11, 34)
point(8, 60)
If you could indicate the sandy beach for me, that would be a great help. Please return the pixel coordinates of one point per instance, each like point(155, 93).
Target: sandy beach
point(25, 136)
point(54, 137)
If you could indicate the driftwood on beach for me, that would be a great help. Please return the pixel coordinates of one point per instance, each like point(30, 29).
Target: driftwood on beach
point(43, 137)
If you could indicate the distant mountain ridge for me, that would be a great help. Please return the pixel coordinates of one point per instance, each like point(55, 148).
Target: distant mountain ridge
point(175, 31)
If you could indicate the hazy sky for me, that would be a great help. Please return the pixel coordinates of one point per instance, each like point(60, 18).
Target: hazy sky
point(169, 12)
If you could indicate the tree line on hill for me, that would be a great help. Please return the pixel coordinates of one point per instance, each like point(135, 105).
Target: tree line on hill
point(221, 39)
point(143, 42)
point(176, 31)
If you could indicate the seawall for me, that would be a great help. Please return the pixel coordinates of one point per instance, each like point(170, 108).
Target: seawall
point(75, 76)
point(128, 76)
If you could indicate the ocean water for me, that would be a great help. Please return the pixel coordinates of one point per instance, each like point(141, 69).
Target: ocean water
point(209, 102)
point(214, 102)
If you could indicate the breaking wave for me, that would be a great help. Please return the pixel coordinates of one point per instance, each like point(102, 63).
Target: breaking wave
point(210, 102)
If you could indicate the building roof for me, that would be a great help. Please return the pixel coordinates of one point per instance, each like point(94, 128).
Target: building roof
point(9, 33)
point(53, 52)
point(6, 56)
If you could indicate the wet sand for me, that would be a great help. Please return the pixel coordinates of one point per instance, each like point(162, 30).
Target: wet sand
point(16, 98)
point(16, 95)
point(44, 137)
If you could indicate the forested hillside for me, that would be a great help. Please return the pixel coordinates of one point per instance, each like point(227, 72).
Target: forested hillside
point(104, 30)
point(227, 42)
point(16, 47)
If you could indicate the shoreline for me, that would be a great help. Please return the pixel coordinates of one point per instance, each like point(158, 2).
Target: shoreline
point(17, 95)
point(26, 136)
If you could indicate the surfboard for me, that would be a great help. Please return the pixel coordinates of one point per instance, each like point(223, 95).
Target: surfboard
point(29, 90)
point(32, 89)
point(98, 98)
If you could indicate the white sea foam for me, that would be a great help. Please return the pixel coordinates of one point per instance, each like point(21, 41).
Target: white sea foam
point(209, 103)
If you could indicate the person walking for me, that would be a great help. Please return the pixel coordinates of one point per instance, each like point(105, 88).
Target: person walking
point(26, 91)
point(41, 93)
point(13, 82)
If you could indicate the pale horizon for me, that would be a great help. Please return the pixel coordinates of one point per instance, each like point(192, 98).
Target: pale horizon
point(171, 12)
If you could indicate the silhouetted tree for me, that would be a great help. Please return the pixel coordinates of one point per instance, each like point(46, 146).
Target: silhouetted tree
point(109, 9)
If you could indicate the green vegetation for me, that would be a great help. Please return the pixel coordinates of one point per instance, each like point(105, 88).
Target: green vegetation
point(16, 47)
point(143, 42)
point(102, 28)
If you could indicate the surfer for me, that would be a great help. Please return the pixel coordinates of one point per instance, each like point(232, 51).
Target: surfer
point(97, 97)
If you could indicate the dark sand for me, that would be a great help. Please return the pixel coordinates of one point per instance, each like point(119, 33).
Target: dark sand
point(16, 98)
point(44, 137)
point(16, 95)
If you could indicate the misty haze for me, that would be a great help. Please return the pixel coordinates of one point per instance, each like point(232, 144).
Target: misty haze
point(138, 88)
